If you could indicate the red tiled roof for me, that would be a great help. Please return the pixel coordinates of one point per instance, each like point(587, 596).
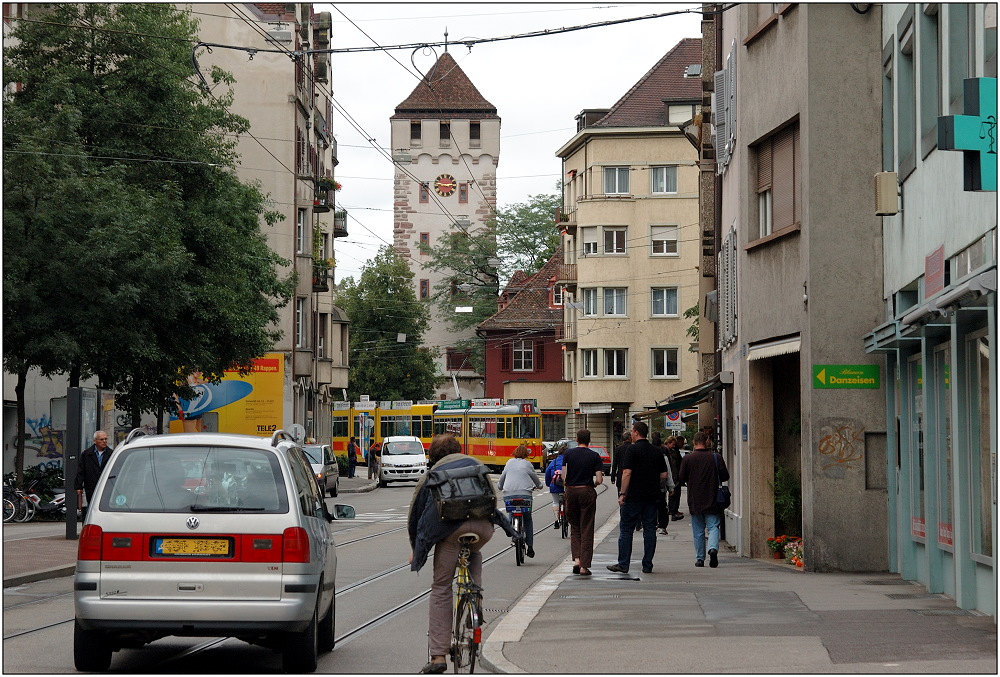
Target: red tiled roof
point(445, 91)
point(642, 106)
point(528, 305)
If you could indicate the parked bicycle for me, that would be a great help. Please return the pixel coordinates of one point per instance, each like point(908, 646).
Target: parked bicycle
point(22, 509)
point(517, 507)
point(468, 636)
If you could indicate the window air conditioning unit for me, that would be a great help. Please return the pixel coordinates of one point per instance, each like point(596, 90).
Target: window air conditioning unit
point(886, 194)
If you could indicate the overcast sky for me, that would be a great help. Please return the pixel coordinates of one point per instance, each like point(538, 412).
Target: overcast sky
point(537, 84)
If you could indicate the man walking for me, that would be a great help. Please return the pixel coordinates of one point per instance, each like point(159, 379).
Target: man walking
point(643, 469)
point(90, 466)
point(704, 470)
point(352, 457)
point(583, 472)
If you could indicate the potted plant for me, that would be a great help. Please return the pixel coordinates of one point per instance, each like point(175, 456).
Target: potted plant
point(777, 545)
point(793, 551)
point(326, 184)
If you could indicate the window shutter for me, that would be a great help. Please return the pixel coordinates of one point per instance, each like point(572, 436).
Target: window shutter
point(764, 165)
point(538, 348)
point(506, 350)
point(719, 120)
point(783, 179)
point(731, 99)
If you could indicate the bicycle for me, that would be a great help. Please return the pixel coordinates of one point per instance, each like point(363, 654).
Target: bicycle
point(517, 507)
point(563, 522)
point(23, 510)
point(468, 635)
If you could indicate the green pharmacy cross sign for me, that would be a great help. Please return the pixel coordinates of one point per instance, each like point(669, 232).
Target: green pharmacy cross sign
point(975, 134)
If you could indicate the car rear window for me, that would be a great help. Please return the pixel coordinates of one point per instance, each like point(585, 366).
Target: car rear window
point(314, 454)
point(402, 447)
point(195, 479)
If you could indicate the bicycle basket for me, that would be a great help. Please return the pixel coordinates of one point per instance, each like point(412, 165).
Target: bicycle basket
point(521, 505)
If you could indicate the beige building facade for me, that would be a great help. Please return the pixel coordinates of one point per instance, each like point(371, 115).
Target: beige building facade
point(630, 237)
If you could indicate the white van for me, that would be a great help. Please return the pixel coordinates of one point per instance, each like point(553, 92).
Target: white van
point(402, 458)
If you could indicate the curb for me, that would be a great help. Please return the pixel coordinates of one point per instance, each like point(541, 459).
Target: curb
point(41, 575)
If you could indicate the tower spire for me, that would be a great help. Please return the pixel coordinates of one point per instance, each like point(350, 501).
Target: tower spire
point(446, 38)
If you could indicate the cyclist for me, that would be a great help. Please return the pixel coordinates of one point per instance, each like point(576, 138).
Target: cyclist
point(428, 531)
point(517, 480)
point(556, 488)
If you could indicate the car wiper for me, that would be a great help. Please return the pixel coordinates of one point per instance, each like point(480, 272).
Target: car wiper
point(223, 508)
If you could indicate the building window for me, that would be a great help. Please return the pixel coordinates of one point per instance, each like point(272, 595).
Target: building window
point(425, 193)
point(930, 76)
point(590, 301)
point(425, 289)
point(664, 363)
point(726, 285)
point(445, 128)
point(664, 301)
point(474, 134)
point(589, 357)
point(615, 362)
point(663, 240)
point(664, 179)
point(589, 237)
point(614, 241)
point(614, 300)
point(979, 423)
point(300, 321)
point(940, 390)
point(888, 142)
point(321, 335)
point(415, 133)
point(616, 180)
point(779, 189)
point(458, 360)
point(524, 351)
point(961, 40)
point(463, 192)
point(300, 232)
point(906, 96)
point(557, 294)
point(425, 243)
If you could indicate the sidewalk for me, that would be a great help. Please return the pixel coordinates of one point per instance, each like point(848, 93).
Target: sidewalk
point(36, 550)
point(746, 616)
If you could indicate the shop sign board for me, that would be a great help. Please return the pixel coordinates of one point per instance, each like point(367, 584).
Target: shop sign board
point(852, 376)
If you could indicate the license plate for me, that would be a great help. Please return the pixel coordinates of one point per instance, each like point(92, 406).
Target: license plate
point(192, 547)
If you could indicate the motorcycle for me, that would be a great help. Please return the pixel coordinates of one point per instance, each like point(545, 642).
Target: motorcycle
point(56, 505)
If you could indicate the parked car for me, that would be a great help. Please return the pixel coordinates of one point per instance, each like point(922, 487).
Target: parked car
point(324, 465)
point(605, 457)
point(403, 458)
point(243, 551)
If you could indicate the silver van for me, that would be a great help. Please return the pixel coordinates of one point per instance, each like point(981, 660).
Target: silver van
point(207, 534)
point(402, 458)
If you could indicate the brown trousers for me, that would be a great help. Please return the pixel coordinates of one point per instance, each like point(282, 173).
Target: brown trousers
point(442, 600)
point(581, 511)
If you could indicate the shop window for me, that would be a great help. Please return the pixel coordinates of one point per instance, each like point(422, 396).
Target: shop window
point(979, 423)
point(942, 397)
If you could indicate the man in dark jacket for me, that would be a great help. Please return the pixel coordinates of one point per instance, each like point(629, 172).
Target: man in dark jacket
point(643, 469)
point(428, 531)
point(352, 457)
point(616, 465)
point(703, 471)
point(90, 466)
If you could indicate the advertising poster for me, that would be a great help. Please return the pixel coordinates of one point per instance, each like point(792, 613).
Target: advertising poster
point(249, 405)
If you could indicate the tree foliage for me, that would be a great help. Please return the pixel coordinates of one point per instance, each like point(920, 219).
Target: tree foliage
point(132, 251)
point(383, 308)
point(526, 233)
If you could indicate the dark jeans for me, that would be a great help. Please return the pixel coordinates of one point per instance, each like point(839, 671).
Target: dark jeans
point(662, 513)
point(631, 513)
point(674, 502)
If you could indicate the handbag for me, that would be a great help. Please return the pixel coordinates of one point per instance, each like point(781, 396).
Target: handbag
point(722, 495)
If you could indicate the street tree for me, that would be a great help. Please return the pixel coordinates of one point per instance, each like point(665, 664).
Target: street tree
point(387, 328)
point(526, 233)
point(132, 251)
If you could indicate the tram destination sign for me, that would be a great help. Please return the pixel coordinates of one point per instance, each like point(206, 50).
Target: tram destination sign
point(846, 376)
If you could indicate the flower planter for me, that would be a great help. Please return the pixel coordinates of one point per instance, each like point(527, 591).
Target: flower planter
point(778, 555)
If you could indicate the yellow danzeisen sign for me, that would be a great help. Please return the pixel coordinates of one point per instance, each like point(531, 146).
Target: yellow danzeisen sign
point(846, 376)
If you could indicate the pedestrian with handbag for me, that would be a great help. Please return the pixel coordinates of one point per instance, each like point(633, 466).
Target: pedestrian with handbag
point(704, 471)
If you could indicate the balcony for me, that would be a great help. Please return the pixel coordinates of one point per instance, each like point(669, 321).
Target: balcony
point(322, 201)
point(340, 223)
point(321, 270)
point(566, 275)
point(566, 334)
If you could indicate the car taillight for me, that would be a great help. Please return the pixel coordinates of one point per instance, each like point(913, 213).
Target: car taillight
point(89, 547)
point(295, 545)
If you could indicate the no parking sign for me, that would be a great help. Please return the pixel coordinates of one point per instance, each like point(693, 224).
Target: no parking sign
point(674, 422)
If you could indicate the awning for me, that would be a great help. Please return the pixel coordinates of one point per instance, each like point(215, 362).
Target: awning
point(595, 408)
point(689, 397)
point(774, 348)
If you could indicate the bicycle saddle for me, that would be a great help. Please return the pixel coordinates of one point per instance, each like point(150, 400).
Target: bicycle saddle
point(473, 538)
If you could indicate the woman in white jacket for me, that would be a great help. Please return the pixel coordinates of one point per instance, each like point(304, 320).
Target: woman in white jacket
point(517, 480)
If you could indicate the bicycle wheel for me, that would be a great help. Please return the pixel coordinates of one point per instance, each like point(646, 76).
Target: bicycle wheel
point(27, 510)
point(563, 524)
point(8, 510)
point(519, 546)
point(467, 638)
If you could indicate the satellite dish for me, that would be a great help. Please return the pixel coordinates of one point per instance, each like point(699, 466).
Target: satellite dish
point(297, 431)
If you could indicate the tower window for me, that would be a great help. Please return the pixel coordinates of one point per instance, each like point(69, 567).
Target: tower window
point(445, 134)
point(415, 133)
point(474, 135)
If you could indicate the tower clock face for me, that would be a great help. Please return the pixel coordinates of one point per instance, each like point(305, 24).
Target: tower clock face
point(445, 185)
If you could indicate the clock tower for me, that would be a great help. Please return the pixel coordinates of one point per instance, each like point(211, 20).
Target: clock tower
point(451, 135)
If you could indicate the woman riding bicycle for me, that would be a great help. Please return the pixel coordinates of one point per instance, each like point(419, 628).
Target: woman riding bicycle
point(517, 480)
point(428, 531)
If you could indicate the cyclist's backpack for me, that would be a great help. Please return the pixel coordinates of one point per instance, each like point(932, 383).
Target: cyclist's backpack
point(557, 477)
point(462, 493)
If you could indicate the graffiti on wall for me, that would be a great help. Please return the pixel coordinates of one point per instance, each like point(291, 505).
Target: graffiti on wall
point(43, 446)
point(842, 443)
